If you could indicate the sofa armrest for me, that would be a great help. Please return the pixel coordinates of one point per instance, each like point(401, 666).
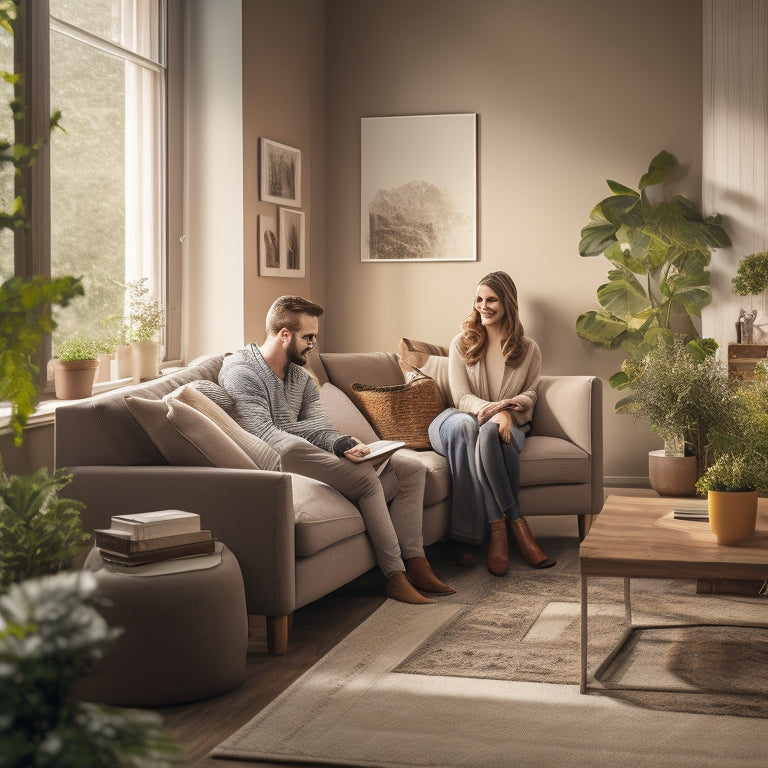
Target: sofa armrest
point(571, 408)
point(251, 511)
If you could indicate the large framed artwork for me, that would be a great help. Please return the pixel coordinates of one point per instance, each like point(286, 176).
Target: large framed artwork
point(292, 258)
point(280, 173)
point(418, 193)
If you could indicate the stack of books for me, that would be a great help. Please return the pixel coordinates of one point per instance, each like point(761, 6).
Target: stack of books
point(149, 537)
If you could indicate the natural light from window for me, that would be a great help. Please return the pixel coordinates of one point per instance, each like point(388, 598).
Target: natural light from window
point(107, 168)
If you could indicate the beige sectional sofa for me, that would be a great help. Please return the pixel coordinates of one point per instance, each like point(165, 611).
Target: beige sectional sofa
point(297, 539)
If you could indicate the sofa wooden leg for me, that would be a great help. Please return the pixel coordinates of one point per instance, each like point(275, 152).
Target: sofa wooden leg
point(585, 523)
point(278, 628)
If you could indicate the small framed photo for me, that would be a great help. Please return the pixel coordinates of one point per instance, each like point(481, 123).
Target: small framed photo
point(280, 173)
point(269, 247)
point(292, 260)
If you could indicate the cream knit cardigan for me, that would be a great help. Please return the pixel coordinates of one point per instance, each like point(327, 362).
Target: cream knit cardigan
point(470, 389)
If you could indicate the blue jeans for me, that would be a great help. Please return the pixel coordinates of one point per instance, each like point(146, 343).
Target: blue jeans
point(485, 472)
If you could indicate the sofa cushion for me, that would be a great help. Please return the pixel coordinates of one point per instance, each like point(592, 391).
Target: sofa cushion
point(322, 516)
point(553, 461)
point(261, 454)
point(437, 486)
point(185, 437)
point(403, 411)
point(344, 369)
point(345, 415)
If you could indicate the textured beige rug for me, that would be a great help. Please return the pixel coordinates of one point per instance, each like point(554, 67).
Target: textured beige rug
point(526, 626)
point(416, 686)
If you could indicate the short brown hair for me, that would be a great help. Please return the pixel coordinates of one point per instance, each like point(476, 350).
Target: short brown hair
point(285, 312)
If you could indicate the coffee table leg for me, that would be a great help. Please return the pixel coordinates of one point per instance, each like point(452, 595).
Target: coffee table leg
point(584, 618)
point(627, 601)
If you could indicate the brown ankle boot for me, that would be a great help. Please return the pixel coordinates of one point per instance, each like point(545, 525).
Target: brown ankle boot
point(497, 553)
point(529, 549)
point(399, 588)
point(420, 574)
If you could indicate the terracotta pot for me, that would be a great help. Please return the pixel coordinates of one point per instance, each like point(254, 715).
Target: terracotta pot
point(732, 515)
point(672, 475)
point(73, 379)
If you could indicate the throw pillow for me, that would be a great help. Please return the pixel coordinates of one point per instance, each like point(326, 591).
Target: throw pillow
point(215, 392)
point(430, 359)
point(186, 437)
point(345, 415)
point(401, 412)
point(417, 352)
point(262, 454)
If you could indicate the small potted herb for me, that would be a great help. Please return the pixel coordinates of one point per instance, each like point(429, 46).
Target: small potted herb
point(74, 369)
point(145, 322)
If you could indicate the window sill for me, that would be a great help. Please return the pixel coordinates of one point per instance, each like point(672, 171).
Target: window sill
point(46, 408)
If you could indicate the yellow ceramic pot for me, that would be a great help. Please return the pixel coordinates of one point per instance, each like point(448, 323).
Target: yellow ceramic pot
point(732, 515)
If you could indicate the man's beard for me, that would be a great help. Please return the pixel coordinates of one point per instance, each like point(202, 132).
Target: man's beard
point(294, 356)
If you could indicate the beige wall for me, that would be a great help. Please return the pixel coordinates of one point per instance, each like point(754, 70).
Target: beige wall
point(212, 251)
point(567, 95)
point(283, 100)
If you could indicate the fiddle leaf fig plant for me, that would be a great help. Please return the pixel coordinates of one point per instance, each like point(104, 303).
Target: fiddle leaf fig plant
point(659, 250)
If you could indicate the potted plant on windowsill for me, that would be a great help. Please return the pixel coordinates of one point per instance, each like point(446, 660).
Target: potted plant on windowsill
point(75, 365)
point(685, 396)
point(146, 320)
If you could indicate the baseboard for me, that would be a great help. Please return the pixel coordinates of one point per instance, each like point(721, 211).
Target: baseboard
point(626, 481)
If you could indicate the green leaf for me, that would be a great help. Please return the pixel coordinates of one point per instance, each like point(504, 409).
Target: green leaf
point(621, 189)
point(600, 328)
point(623, 298)
point(658, 170)
point(595, 238)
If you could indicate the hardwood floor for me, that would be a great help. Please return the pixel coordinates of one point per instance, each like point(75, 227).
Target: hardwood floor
point(200, 726)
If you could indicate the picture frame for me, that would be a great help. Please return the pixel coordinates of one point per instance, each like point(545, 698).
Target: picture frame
point(418, 191)
point(280, 173)
point(292, 243)
point(269, 247)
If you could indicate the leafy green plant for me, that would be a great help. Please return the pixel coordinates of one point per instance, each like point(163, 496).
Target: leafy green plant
point(752, 275)
point(733, 473)
point(40, 533)
point(681, 395)
point(26, 316)
point(742, 448)
point(80, 347)
point(659, 253)
point(146, 316)
point(51, 635)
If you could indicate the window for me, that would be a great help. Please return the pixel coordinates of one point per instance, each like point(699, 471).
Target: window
point(108, 167)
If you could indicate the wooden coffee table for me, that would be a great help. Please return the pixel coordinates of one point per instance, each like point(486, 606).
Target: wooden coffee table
point(638, 537)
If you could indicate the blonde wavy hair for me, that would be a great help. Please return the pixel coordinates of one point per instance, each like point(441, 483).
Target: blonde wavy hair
point(473, 341)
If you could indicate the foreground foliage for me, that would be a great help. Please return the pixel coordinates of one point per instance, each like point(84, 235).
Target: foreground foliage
point(51, 635)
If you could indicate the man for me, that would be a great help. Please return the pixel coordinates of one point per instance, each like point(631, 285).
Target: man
point(278, 401)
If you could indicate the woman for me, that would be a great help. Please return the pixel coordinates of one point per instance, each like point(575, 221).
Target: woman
point(493, 371)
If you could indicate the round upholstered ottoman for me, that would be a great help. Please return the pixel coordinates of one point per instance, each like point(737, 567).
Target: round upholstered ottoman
point(186, 631)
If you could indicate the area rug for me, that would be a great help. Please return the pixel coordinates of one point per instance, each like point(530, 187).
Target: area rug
point(526, 626)
point(377, 699)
